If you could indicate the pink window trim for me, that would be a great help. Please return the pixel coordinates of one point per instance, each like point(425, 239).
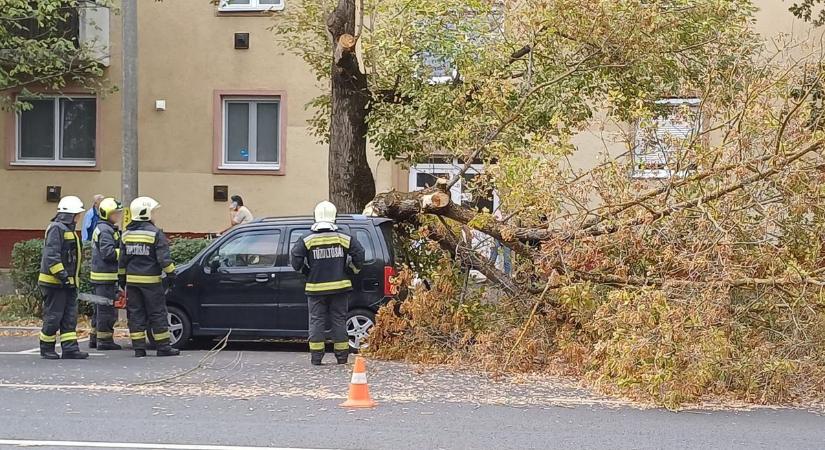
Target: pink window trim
point(217, 130)
point(11, 137)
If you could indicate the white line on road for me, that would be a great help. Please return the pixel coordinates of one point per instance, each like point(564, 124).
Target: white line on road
point(36, 351)
point(134, 445)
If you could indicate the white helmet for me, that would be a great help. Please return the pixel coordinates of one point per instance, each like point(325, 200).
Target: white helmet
point(70, 204)
point(142, 207)
point(325, 213)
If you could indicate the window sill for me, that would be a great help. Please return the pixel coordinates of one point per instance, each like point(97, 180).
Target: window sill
point(242, 169)
point(253, 10)
point(659, 174)
point(51, 165)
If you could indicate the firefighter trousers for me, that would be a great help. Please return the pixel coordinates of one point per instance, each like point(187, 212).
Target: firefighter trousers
point(146, 306)
point(59, 314)
point(328, 309)
point(105, 315)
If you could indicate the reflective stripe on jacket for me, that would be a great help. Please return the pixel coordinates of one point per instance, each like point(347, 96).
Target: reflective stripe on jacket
point(105, 252)
point(60, 261)
point(322, 257)
point(144, 254)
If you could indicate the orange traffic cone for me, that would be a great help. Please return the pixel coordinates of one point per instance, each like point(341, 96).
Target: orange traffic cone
point(359, 390)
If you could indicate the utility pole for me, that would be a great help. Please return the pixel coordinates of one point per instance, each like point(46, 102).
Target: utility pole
point(129, 172)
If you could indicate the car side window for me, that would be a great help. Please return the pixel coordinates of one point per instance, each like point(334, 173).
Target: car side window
point(294, 236)
point(365, 240)
point(258, 249)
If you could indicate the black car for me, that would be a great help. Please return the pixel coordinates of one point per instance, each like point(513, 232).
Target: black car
point(243, 281)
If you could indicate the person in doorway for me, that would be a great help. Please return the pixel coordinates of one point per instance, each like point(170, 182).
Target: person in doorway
point(58, 281)
point(105, 252)
point(91, 219)
point(144, 256)
point(327, 257)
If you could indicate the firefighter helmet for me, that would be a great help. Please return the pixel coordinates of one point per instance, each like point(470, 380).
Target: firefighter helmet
point(107, 207)
point(142, 207)
point(70, 204)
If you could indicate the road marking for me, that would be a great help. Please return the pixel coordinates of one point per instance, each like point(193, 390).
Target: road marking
point(37, 353)
point(135, 445)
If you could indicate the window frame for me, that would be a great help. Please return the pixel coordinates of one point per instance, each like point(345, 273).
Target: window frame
point(253, 6)
point(57, 161)
point(220, 111)
point(216, 251)
point(450, 168)
point(663, 173)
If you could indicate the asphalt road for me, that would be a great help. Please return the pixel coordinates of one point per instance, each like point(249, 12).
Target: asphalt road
point(266, 395)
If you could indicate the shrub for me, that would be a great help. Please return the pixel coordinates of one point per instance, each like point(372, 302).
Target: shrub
point(16, 307)
point(184, 249)
point(25, 265)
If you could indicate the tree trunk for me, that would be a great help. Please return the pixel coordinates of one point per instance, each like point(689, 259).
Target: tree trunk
point(351, 185)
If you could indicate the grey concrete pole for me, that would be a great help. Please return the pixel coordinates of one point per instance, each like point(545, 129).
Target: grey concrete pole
point(129, 92)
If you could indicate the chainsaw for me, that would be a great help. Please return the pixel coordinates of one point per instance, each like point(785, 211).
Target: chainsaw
point(119, 302)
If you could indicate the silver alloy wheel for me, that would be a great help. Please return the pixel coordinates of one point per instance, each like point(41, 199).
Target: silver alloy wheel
point(175, 328)
point(358, 328)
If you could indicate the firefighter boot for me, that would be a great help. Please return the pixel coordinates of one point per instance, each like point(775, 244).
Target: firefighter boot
point(47, 351)
point(140, 352)
point(106, 345)
point(316, 358)
point(75, 355)
point(342, 356)
point(167, 350)
point(93, 340)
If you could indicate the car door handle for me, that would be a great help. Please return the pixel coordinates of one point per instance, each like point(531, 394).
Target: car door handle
point(262, 278)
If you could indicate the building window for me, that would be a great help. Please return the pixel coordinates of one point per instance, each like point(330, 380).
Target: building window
point(251, 5)
point(659, 150)
point(251, 134)
point(57, 131)
point(425, 175)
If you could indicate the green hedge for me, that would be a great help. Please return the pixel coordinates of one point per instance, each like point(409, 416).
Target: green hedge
point(25, 263)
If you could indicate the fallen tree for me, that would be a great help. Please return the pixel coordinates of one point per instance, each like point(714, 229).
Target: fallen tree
point(689, 266)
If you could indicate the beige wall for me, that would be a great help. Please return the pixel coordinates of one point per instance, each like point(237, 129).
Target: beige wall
point(186, 53)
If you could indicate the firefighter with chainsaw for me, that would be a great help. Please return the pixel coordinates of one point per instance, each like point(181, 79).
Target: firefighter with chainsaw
point(105, 253)
point(58, 280)
point(144, 256)
point(328, 257)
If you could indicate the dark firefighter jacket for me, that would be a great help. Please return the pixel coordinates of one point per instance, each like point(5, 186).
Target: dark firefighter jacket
point(105, 253)
point(144, 254)
point(322, 257)
point(60, 263)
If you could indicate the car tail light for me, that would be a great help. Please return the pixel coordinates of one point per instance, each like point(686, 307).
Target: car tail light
point(389, 288)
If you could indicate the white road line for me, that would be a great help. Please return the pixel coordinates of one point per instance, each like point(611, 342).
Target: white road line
point(134, 445)
point(37, 353)
point(36, 350)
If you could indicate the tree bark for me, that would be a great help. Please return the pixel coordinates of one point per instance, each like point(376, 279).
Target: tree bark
point(351, 184)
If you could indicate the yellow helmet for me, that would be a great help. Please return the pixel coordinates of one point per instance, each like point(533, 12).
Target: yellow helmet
point(142, 207)
point(108, 206)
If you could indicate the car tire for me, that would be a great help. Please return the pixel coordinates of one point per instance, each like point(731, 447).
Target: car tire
point(180, 327)
point(359, 323)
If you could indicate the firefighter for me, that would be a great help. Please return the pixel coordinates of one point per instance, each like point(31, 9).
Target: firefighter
point(328, 257)
point(58, 279)
point(105, 252)
point(144, 256)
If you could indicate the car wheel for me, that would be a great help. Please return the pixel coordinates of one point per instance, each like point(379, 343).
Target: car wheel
point(359, 324)
point(180, 328)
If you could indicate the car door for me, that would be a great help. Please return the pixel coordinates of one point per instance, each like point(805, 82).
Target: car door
point(239, 283)
point(368, 281)
point(293, 313)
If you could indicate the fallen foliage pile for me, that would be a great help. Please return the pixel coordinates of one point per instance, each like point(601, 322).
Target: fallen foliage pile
point(640, 344)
